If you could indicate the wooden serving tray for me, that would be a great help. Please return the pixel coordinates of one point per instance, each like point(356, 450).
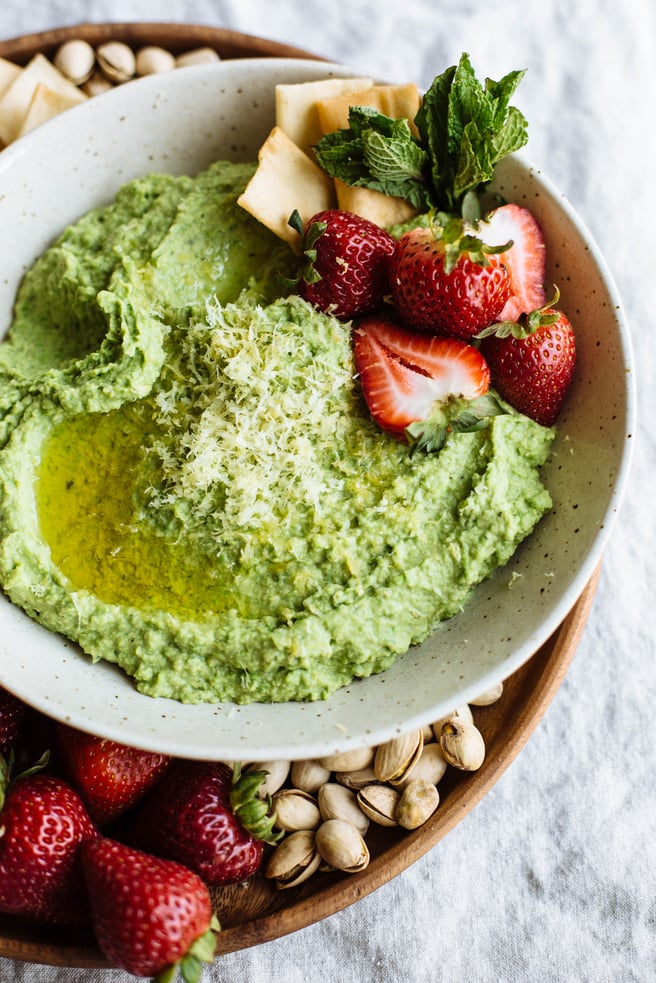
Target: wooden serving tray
point(259, 912)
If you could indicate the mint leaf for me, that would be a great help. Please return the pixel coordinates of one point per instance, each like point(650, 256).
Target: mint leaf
point(468, 128)
point(377, 152)
point(341, 154)
point(510, 137)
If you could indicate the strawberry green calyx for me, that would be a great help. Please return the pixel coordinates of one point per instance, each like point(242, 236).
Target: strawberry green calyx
point(309, 272)
point(459, 238)
point(526, 324)
point(454, 415)
point(252, 811)
point(189, 967)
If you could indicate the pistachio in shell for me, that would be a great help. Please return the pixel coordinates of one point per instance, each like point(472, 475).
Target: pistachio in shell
point(295, 809)
point(309, 775)
point(294, 860)
point(379, 803)
point(356, 779)
point(338, 802)
point(351, 760)
point(395, 758)
point(488, 696)
point(463, 711)
point(462, 744)
point(276, 773)
point(341, 846)
point(75, 59)
point(117, 61)
point(430, 766)
point(153, 60)
point(418, 802)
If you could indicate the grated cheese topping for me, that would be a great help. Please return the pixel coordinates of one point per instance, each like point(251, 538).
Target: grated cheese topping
point(257, 420)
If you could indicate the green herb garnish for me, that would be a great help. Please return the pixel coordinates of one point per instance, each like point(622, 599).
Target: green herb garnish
point(465, 128)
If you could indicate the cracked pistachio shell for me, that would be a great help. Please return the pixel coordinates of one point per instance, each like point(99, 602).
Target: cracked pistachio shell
point(379, 802)
point(429, 767)
point(489, 696)
point(75, 60)
point(418, 802)
point(356, 779)
point(116, 60)
point(295, 810)
point(341, 846)
point(348, 760)
point(309, 775)
point(294, 860)
point(427, 733)
point(337, 802)
point(277, 772)
point(462, 744)
point(463, 711)
point(395, 758)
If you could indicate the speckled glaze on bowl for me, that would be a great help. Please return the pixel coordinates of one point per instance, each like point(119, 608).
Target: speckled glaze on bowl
point(179, 123)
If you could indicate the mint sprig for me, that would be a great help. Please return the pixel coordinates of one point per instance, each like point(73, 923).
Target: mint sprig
point(377, 152)
point(465, 128)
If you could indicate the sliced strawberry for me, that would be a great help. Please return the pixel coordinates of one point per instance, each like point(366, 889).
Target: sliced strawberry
point(410, 378)
point(525, 260)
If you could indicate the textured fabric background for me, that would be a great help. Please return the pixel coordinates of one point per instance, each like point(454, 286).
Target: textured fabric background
point(552, 878)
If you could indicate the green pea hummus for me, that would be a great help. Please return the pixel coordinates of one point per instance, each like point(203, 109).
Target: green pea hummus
point(190, 483)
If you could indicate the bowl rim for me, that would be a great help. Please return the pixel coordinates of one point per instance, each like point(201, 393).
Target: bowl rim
point(338, 740)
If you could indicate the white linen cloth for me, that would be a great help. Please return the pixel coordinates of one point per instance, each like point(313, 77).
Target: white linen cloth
point(552, 877)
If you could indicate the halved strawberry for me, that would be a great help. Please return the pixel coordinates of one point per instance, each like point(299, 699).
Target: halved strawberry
point(419, 386)
point(525, 260)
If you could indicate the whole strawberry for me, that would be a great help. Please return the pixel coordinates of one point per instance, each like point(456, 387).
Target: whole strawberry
point(42, 824)
point(444, 280)
point(110, 777)
point(12, 714)
point(205, 817)
point(150, 916)
point(532, 362)
point(346, 262)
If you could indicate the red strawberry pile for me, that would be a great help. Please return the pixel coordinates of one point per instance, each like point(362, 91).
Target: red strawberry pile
point(442, 314)
point(125, 841)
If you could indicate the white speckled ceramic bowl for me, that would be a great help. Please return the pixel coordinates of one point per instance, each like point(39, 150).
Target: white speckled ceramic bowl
point(179, 123)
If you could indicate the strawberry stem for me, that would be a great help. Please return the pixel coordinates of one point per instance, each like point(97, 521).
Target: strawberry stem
point(202, 950)
point(457, 236)
point(526, 324)
point(455, 415)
